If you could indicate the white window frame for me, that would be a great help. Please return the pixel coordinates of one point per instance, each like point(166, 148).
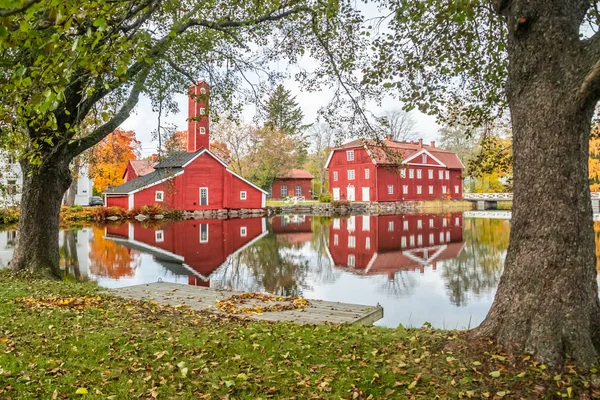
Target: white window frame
point(431, 239)
point(443, 190)
point(390, 226)
point(447, 236)
point(336, 239)
point(202, 130)
point(419, 189)
point(419, 240)
point(351, 242)
point(403, 241)
point(351, 175)
point(200, 197)
point(456, 221)
point(404, 225)
point(159, 195)
point(419, 224)
point(405, 189)
point(390, 189)
point(444, 222)
point(441, 174)
point(349, 155)
point(367, 173)
point(366, 223)
point(411, 173)
point(424, 158)
point(243, 195)
point(430, 174)
point(284, 195)
point(335, 175)
point(202, 111)
point(456, 189)
point(159, 236)
point(298, 190)
point(367, 243)
point(441, 237)
point(243, 231)
point(411, 240)
point(403, 173)
point(430, 189)
point(419, 174)
point(336, 223)
point(351, 260)
point(205, 240)
point(431, 223)
point(447, 175)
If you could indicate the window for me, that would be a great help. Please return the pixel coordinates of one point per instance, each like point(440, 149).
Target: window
point(419, 174)
point(283, 191)
point(390, 226)
point(367, 243)
point(456, 221)
point(351, 260)
point(420, 240)
point(430, 174)
point(159, 195)
point(430, 189)
point(431, 239)
point(441, 237)
point(335, 175)
point(431, 223)
point(402, 173)
point(441, 174)
point(243, 231)
point(424, 158)
point(203, 196)
point(367, 172)
point(418, 189)
point(203, 90)
point(411, 173)
point(243, 195)
point(403, 241)
point(390, 189)
point(350, 155)
point(203, 111)
point(203, 233)
point(447, 236)
point(456, 189)
point(11, 187)
point(405, 225)
point(447, 175)
point(336, 240)
point(412, 240)
point(351, 242)
point(351, 223)
point(159, 236)
point(366, 223)
point(336, 223)
point(443, 189)
point(350, 174)
point(298, 191)
point(444, 223)
point(11, 159)
point(202, 130)
point(419, 224)
point(405, 189)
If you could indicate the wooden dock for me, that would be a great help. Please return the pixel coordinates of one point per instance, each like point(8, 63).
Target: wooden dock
point(201, 298)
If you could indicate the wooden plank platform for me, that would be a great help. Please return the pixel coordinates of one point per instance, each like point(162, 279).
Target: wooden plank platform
point(201, 298)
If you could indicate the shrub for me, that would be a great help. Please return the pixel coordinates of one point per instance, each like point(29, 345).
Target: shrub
point(9, 215)
point(340, 203)
point(77, 207)
point(325, 197)
point(150, 211)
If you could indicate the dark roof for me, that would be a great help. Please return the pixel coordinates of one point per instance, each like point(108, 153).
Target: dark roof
point(177, 160)
point(144, 181)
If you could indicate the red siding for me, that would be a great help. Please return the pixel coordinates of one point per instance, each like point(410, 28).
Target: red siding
point(253, 196)
point(380, 245)
point(362, 162)
point(291, 184)
point(129, 173)
point(120, 201)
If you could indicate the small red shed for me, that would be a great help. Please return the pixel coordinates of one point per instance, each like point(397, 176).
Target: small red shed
point(192, 180)
point(295, 182)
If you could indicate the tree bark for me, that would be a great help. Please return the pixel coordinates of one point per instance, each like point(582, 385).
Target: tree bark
point(547, 299)
point(43, 190)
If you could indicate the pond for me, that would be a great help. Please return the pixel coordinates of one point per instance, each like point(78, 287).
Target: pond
point(442, 269)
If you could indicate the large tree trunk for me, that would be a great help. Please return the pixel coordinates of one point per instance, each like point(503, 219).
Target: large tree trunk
point(547, 299)
point(43, 191)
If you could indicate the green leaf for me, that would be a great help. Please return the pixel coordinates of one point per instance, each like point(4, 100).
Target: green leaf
point(229, 383)
point(495, 374)
point(99, 22)
point(81, 390)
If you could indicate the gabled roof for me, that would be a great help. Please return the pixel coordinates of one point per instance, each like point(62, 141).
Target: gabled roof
point(295, 173)
point(380, 152)
point(142, 167)
point(145, 181)
point(178, 159)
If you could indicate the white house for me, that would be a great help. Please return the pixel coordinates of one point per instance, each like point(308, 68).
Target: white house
point(11, 182)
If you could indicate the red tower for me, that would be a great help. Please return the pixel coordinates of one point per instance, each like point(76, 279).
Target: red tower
point(198, 121)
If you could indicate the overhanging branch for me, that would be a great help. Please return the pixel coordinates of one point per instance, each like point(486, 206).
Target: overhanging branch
point(13, 11)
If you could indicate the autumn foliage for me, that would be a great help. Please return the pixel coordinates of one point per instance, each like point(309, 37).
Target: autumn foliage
point(109, 158)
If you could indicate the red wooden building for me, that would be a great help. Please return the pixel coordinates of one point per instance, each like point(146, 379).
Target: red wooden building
point(137, 168)
point(364, 170)
point(196, 248)
point(295, 182)
point(373, 245)
point(292, 229)
point(192, 180)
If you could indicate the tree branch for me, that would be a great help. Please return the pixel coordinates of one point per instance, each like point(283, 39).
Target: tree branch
point(13, 11)
point(79, 146)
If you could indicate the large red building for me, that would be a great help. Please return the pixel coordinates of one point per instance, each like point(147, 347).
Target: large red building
point(190, 180)
point(196, 248)
point(295, 182)
point(366, 170)
point(373, 245)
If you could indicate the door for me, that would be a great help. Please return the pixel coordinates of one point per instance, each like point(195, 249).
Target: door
point(365, 194)
point(350, 191)
point(203, 196)
point(336, 193)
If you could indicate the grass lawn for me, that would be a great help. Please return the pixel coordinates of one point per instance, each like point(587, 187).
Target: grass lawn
point(84, 345)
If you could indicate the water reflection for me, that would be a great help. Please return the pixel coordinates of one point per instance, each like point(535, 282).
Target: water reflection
point(437, 268)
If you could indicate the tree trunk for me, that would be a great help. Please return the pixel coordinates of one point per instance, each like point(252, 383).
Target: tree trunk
point(547, 299)
point(69, 199)
point(43, 191)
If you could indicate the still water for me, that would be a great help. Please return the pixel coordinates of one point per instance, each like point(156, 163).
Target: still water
point(437, 268)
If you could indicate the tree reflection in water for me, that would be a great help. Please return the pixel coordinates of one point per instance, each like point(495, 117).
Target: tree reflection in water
point(479, 266)
point(400, 284)
point(109, 259)
point(69, 259)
